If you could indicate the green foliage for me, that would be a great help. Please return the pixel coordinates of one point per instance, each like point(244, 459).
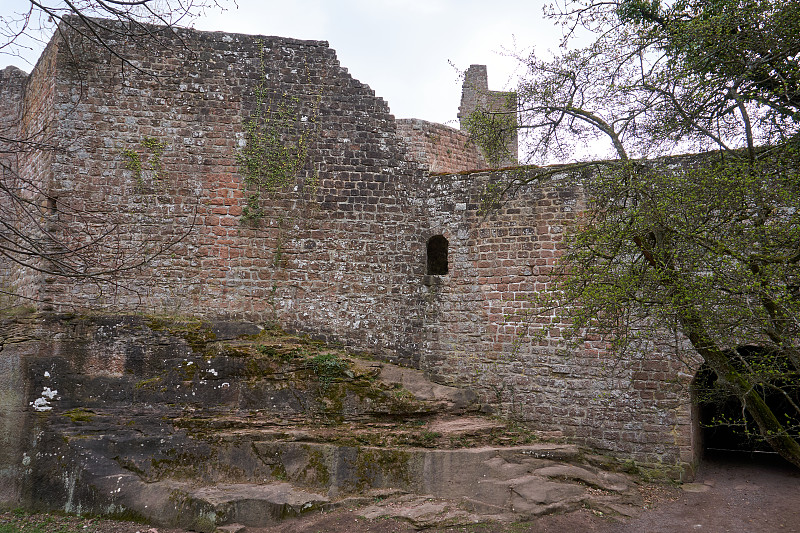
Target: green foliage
point(492, 132)
point(156, 150)
point(328, 367)
point(281, 353)
point(490, 197)
point(720, 236)
point(268, 160)
point(79, 415)
point(278, 134)
point(639, 11)
point(23, 522)
point(266, 350)
point(748, 46)
point(14, 311)
point(427, 439)
point(704, 250)
point(252, 211)
point(133, 160)
point(709, 250)
point(149, 383)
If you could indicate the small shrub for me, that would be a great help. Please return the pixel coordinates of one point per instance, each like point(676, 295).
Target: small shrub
point(328, 367)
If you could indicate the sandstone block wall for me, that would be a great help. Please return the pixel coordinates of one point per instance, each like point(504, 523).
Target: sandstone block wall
point(441, 148)
point(28, 109)
point(476, 97)
point(151, 156)
point(483, 325)
point(12, 91)
point(150, 174)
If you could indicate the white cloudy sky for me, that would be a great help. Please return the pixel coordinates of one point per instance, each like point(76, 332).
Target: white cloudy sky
point(403, 49)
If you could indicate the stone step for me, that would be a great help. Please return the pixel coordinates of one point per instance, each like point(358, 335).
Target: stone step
point(259, 483)
point(247, 504)
point(252, 433)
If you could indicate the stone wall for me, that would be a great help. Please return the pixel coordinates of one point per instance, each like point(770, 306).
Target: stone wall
point(28, 108)
point(442, 148)
point(502, 105)
point(12, 91)
point(150, 174)
point(151, 161)
point(484, 327)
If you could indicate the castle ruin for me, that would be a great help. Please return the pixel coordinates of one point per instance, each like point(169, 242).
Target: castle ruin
point(378, 234)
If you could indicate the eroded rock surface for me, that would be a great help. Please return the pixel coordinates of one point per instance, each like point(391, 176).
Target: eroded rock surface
point(206, 425)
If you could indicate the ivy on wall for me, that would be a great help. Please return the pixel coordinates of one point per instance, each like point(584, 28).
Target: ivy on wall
point(277, 138)
point(150, 167)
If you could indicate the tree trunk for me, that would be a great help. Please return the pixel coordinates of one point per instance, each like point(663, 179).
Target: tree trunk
point(771, 429)
point(768, 424)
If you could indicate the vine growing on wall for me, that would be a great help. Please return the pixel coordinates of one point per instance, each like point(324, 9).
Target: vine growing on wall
point(277, 138)
point(150, 166)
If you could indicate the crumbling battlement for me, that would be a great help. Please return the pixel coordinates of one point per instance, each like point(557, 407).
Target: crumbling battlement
point(335, 239)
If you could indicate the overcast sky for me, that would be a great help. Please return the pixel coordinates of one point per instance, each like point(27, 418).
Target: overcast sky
point(403, 49)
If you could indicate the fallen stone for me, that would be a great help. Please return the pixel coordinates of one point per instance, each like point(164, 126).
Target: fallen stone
point(534, 496)
point(422, 512)
point(695, 487)
point(231, 528)
point(418, 384)
point(254, 505)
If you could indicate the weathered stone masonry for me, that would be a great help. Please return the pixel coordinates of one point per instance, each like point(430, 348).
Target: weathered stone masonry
point(340, 252)
point(333, 258)
point(442, 148)
point(476, 97)
point(479, 321)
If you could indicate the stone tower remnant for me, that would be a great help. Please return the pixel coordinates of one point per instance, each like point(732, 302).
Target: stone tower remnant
point(490, 117)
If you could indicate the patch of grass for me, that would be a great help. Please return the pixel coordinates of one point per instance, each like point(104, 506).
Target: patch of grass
point(148, 383)
point(16, 311)
point(194, 331)
point(267, 351)
point(20, 521)
point(428, 438)
point(79, 415)
point(328, 367)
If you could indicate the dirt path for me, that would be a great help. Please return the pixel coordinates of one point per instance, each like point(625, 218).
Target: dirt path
point(759, 496)
point(731, 494)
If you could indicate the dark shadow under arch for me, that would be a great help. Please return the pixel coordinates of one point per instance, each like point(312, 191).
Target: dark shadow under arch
point(723, 427)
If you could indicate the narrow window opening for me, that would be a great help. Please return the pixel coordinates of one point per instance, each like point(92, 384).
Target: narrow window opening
point(437, 256)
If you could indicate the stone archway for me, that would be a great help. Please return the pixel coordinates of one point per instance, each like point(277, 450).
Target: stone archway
point(721, 424)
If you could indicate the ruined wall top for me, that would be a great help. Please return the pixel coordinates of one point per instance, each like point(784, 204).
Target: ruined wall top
point(442, 148)
point(337, 247)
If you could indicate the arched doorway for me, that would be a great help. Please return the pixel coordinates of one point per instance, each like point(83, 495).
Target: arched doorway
point(723, 426)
